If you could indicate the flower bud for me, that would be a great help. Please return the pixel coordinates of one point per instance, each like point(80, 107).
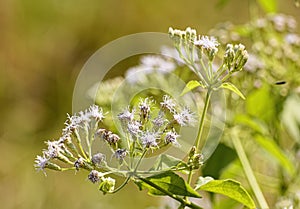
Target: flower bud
point(94, 176)
point(107, 185)
point(98, 158)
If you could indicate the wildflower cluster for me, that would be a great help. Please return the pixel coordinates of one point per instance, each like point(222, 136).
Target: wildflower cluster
point(146, 126)
point(199, 52)
point(154, 126)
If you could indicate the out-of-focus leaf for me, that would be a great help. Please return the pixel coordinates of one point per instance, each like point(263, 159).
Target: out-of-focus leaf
point(269, 6)
point(170, 182)
point(261, 104)
point(252, 122)
point(274, 150)
point(229, 188)
point(291, 116)
point(233, 88)
point(167, 162)
point(191, 85)
point(221, 158)
point(222, 3)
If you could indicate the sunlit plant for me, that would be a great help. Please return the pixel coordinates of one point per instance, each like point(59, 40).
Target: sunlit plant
point(150, 127)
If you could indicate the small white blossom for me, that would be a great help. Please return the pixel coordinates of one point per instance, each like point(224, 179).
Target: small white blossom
point(171, 137)
point(160, 120)
point(120, 154)
point(185, 117)
point(292, 39)
point(207, 42)
point(95, 112)
point(40, 163)
point(168, 103)
point(54, 149)
point(149, 139)
point(134, 128)
point(126, 115)
point(158, 63)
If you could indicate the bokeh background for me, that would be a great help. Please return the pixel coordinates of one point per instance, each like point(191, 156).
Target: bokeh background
point(43, 46)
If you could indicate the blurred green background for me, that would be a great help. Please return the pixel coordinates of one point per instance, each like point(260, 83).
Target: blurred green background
point(43, 46)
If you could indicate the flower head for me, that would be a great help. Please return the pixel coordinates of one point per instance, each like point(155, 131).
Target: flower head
point(185, 117)
point(94, 176)
point(107, 185)
point(207, 42)
point(120, 154)
point(168, 103)
point(171, 137)
point(95, 112)
point(41, 163)
point(149, 139)
point(126, 115)
point(98, 158)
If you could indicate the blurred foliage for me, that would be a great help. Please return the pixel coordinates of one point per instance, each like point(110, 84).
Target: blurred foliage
point(43, 46)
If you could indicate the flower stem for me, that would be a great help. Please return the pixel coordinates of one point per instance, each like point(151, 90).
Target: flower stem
point(248, 171)
point(201, 125)
point(183, 201)
point(200, 130)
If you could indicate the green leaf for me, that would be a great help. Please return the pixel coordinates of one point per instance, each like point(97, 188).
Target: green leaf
point(219, 160)
point(252, 122)
point(168, 181)
point(190, 86)
point(269, 6)
point(290, 116)
point(166, 162)
point(233, 88)
point(273, 149)
point(229, 188)
point(261, 103)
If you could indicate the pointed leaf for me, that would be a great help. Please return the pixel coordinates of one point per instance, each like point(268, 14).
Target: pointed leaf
point(233, 88)
point(229, 188)
point(191, 85)
point(269, 6)
point(168, 181)
point(273, 149)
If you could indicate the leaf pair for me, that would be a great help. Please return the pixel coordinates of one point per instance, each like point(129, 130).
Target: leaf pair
point(226, 85)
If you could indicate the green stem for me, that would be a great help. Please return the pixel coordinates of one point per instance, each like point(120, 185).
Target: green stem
point(120, 187)
point(183, 201)
point(248, 171)
point(140, 160)
point(77, 136)
point(200, 130)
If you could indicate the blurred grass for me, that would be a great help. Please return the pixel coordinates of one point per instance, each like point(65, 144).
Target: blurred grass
point(43, 46)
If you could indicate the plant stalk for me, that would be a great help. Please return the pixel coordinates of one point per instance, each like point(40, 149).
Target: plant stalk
point(183, 201)
point(248, 171)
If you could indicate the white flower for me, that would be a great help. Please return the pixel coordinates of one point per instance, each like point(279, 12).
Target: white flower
point(134, 128)
point(158, 63)
point(159, 120)
point(95, 112)
point(126, 115)
point(54, 149)
point(120, 154)
point(168, 103)
point(171, 137)
point(185, 117)
point(149, 139)
point(292, 38)
point(40, 163)
point(207, 42)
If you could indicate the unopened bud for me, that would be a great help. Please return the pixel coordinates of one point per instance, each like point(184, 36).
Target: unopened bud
point(107, 185)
